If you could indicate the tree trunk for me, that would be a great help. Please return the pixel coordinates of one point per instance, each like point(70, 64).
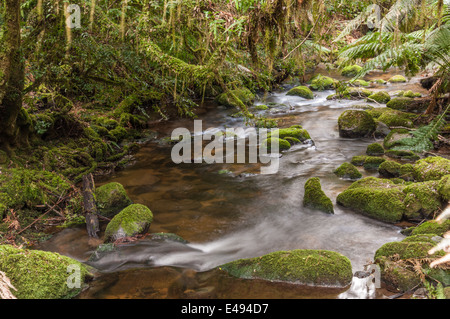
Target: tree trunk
point(90, 209)
point(12, 116)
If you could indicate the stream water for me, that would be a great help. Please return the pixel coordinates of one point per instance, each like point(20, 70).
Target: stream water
point(230, 211)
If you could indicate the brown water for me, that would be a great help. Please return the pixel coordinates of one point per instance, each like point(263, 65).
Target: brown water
point(239, 214)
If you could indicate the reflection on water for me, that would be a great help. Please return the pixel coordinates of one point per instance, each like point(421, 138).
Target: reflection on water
point(230, 211)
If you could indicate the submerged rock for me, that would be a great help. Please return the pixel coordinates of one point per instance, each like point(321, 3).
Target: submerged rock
point(315, 197)
point(111, 198)
point(320, 268)
point(133, 220)
point(356, 123)
point(40, 274)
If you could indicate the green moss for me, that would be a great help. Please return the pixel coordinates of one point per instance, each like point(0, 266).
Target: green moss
point(107, 123)
point(282, 144)
point(422, 200)
point(294, 131)
point(373, 162)
point(359, 83)
point(111, 198)
point(431, 168)
point(403, 155)
point(132, 220)
point(39, 274)
point(301, 91)
point(243, 95)
point(308, 267)
point(315, 198)
point(397, 79)
point(444, 187)
point(396, 118)
point(355, 123)
point(261, 107)
point(380, 97)
point(389, 169)
point(321, 83)
point(396, 276)
point(351, 70)
point(358, 160)
point(375, 149)
point(411, 94)
point(400, 103)
point(119, 133)
point(394, 136)
point(432, 227)
point(348, 171)
point(380, 81)
point(377, 198)
point(404, 250)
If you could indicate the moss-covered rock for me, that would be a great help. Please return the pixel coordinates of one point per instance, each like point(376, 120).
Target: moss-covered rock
point(261, 107)
point(307, 267)
point(347, 171)
point(411, 94)
point(397, 79)
point(293, 131)
point(279, 144)
point(374, 149)
point(389, 169)
point(396, 118)
point(431, 168)
point(40, 274)
point(444, 187)
point(397, 276)
point(359, 83)
point(355, 123)
point(131, 221)
point(111, 198)
point(358, 160)
point(315, 198)
point(243, 95)
point(403, 155)
point(321, 83)
point(372, 162)
point(380, 97)
point(394, 136)
point(351, 70)
point(407, 172)
point(301, 91)
point(432, 227)
point(421, 200)
point(404, 250)
point(400, 103)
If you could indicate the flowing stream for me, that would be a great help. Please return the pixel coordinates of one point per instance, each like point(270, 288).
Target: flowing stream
point(230, 211)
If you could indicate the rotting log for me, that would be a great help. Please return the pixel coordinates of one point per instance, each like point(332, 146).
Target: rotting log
point(90, 209)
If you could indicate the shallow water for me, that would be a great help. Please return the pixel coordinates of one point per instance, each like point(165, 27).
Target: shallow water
point(236, 214)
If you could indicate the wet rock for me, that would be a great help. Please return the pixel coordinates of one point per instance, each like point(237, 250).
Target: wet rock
point(347, 171)
point(356, 123)
point(133, 220)
point(301, 266)
point(301, 91)
point(315, 198)
point(111, 198)
point(351, 70)
point(375, 149)
point(233, 98)
point(380, 97)
point(321, 83)
point(397, 79)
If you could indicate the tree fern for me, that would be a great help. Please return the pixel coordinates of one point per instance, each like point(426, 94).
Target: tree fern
point(422, 137)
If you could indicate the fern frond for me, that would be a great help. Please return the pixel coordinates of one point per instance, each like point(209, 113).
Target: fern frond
point(356, 22)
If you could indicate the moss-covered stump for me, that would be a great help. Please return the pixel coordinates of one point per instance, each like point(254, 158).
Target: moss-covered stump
point(397, 79)
point(243, 95)
point(321, 83)
point(351, 70)
point(131, 221)
point(41, 275)
point(347, 171)
point(431, 168)
point(381, 97)
point(320, 268)
point(374, 149)
point(301, 91)
point(111, 198)
point(315, 198)
point(392, 139)
point(356, 123)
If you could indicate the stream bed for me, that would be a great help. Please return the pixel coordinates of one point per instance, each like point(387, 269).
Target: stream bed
point(231, 211)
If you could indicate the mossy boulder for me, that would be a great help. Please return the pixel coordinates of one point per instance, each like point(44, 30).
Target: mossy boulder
point(320, 268)
point(397, 79)
point(294, 131)
point(40, 274)
point(392, 139)
point(403, 155)
point(374, 149)
point(321, 83)
point(372, 162)
point(133, 220)
point(431, 227)
point(347, 171)
point(234, 98)
point(111, 198)
point(279, 144)
point(358, 160)
point(431, 168)
point(444, 187)
point(380, 97)
point(315, 198)
point(302, 91)
point(351, 70)
point(400, 103)
point(397, 118)
point(389, 169)
point(422, 200)
point(359, 83)
point(261, 107)
point(356, 123)
point(411, 94)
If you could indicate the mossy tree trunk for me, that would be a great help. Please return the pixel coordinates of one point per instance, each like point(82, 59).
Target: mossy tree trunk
point(14, 122)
